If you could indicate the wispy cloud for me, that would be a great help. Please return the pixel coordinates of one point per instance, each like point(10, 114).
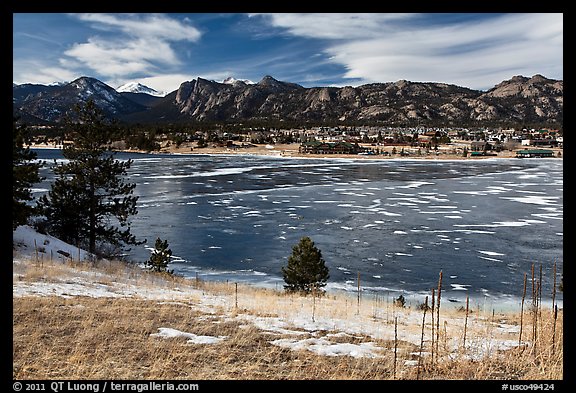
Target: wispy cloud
point(335, 26)
point(38, 37)
point(153, 26)
point(473, 50)
point(32, 71)
point(139, 44)
point(477, 54)
point(123, 58)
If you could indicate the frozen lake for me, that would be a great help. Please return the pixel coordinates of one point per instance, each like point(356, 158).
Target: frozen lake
point(396, 222)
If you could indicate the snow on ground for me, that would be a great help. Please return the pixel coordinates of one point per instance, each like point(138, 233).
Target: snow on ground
point(29, 242)
point(321, 346)
point(31, 246)
point(321, 333)
point(192, 338)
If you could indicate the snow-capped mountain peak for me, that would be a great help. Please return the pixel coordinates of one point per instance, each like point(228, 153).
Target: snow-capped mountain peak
point(231, 81)
point(135, 87)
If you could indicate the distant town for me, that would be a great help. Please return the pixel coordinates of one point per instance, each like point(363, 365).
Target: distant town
point(343, 140)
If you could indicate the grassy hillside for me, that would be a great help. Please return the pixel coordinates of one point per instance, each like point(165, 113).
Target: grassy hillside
point(110, 320)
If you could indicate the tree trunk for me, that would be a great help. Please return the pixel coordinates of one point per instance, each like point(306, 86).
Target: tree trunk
point(92, 219)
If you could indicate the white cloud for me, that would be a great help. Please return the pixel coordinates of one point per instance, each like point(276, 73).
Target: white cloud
point(389, 47)
point(334, 26)
point(152, 26)
point(141, 46)
point(166, 83)
point(113, 58)
point(36, 72)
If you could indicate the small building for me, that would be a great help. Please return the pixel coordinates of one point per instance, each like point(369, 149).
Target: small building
point(480, 146)
point(529, 153)
point(544, 142)
point(316, 147)
point(540, 142)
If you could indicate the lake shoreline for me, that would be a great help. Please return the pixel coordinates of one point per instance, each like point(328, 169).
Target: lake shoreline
point(292, 151)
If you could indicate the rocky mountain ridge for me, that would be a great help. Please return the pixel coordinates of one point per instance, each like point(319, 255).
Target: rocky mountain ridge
point(520, 99)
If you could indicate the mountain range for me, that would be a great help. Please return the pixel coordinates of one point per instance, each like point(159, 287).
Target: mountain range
point(519, 99)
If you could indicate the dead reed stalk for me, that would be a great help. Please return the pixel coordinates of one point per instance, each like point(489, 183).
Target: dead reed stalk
point(432, 313)
point(540, 294)
point(534, 315)
point(554, 306)
point(313, 303)
point(36, 250)
point(554, 328)
point(358, 305)
point(422, 337)
point(554, 284)
point(395, 344)
point(438, 311)
point(522, 310)
point(465, 322)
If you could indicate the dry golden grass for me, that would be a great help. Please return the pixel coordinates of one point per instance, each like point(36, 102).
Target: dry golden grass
point(83, 337)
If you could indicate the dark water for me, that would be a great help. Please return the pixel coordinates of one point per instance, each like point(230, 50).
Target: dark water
point(396, 222)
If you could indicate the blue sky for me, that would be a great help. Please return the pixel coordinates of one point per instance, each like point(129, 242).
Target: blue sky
point(164, 50)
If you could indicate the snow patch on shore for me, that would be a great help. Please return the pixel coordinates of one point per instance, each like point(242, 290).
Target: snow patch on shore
point(192, 338)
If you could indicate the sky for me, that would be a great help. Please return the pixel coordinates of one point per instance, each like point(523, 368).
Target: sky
point(476, 50)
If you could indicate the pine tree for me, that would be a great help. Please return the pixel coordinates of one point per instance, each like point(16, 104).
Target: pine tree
point(90, 202)
point(160, 257)
point(306, 270)
point(24, 175)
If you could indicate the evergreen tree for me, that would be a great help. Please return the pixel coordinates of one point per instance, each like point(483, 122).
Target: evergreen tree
point(306, 270)
point(24, 175)
point(90, 199)
point(62, 208)
point(160, 257)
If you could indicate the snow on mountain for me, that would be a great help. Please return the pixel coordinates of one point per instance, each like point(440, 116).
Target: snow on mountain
point(90, 87)
point(231, 80)
point(135, 87)
point(535, 99)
